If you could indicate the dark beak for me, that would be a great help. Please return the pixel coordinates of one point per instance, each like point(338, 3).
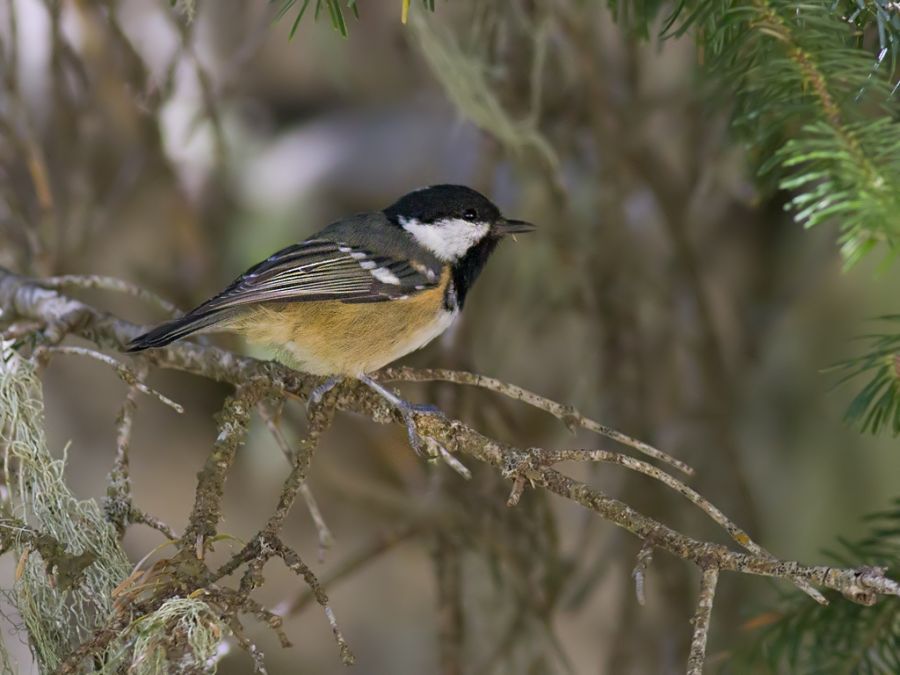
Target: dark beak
point(506, 226)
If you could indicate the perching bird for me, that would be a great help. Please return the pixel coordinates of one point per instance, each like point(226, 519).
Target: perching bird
point(361, 293)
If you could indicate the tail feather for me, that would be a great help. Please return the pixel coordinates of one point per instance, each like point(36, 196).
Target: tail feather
point(174, 330)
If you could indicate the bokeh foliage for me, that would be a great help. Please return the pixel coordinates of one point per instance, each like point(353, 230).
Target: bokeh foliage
point(803, 638)
point(810, 89)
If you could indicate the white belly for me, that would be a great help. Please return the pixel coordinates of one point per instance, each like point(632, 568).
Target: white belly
point(420, 338)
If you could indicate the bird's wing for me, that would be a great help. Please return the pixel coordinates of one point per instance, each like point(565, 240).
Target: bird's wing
point(321, 269)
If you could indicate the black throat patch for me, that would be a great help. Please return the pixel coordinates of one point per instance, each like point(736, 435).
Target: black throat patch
point(466, 271)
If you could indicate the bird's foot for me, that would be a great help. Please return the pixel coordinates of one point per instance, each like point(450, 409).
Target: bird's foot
point(317, 394)
point(423, 445)
point(424, 409)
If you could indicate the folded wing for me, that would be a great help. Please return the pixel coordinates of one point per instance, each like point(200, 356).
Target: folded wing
point(316, 269)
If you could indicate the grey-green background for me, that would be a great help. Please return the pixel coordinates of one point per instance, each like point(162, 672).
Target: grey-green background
point(664, 293)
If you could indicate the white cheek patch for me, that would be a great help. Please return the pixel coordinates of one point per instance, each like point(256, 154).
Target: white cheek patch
point(448, 239)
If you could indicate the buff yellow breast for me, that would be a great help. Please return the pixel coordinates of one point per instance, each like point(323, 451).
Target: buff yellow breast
point(336, 338)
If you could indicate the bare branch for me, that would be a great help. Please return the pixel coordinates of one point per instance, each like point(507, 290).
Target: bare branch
point(568, 414)
point(207, 509)
point(267, 543)
point(372, 550)
point(119, 505)
point(92, 281)
point(126, 374)
point(701, 621)
point(26, 300)
point(326, 539)
point(549, 457)
point(705, 554)
point(644, 558)
point(118, 502)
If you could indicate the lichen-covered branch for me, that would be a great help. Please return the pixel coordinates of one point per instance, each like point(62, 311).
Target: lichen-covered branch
point(119, 506)
point(701, 620)
point(110, 284)
point(379, 544)
point(326, 539)
point(65, 568)
point(233, 421)
point(42, 355)
point(69, 560)
point(567, 414)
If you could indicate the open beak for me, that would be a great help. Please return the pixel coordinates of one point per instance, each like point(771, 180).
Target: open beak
point(506, 226)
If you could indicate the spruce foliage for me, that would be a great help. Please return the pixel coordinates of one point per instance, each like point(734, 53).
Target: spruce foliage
point(814, 99)
point(842, 637)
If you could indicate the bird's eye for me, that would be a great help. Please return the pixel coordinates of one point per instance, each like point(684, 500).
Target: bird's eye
point(470, 214)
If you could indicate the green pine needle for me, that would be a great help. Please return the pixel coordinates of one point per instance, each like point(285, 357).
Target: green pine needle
point(804, 82)
point(842, 638)
point(335, 12)
point(876, 408)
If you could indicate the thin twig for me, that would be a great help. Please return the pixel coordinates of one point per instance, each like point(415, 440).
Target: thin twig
point(371, 551)
point(267, 542)
point(119, 505)
point(438, 450)
point(639, 573)
point(270, 618)
point(295, 564)
point(326, 539)
point(517, 489)
point(568, 414)
point(118, 483)
point(701, 621)
point(93, 281)
point(138, 516)
point(701, 553)
point(126, 374)
point(258, 658)
point(549, 457)
point(207, 509)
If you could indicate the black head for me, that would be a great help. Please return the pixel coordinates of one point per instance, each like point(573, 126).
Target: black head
point(442, 202)
point(449, 220)
point(460, 226)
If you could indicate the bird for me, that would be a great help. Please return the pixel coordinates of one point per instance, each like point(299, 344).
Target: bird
point(361, 293)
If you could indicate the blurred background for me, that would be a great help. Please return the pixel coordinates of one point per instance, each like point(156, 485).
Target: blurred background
point(665, 294)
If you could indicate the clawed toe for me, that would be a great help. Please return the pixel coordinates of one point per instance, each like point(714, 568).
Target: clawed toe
point(317, 394)
point(424, 446)
point(425, 409)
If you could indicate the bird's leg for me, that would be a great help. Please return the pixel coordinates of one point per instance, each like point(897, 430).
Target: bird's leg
point(423, 445)
point(315, 397)
point(407, 411)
